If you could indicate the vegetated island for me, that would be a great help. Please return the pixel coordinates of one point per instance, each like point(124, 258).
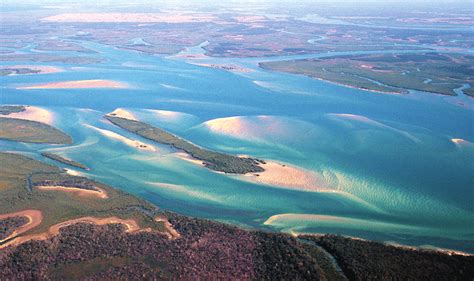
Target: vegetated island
point(213, 160)
point(63, 160)
point(9, 109)
point(389, 73)
point(28, 69)
point(14, 129)
point(51, 234)
point(23, 130)
point(17, 71)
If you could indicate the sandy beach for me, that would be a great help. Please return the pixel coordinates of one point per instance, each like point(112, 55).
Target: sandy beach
point(33, 113)
point(186, 157)
point(132, 143)
point(79, 84)
point(122, 113)
point(99, 193)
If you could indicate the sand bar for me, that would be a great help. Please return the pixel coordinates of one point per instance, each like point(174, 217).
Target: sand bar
point(99, 193)
point(287, 176)
point(122, 113)
point(79, 84)
point(186, 157)
point(132, 143)
point(33, 113)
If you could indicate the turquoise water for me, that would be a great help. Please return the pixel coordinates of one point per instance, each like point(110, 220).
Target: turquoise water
point(395, 172)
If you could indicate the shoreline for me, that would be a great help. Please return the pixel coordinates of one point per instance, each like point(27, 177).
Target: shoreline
point(393, 244)
point(131, 225)
point(35, 218)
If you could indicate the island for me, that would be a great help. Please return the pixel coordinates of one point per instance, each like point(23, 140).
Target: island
point(9, 109)
point(213, 160)
point(389, 73)
point(31, 131)
point(17, 71)
point(63, 160)
point(28, 69)
point(24, 130)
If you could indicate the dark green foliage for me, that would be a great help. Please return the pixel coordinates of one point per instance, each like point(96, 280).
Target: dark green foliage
point(8, 225)
point(8, 109)
point(17, 71)
point(366, 260)
point(64, 160)
point(62, 180)
point(429, 72)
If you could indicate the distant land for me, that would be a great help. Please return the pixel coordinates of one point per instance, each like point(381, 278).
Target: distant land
point(389, 73)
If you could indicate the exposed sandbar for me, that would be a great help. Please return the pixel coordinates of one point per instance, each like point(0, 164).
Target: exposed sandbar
point(33, 113)
point(122, 113)
point(132, 143)
point(286, 176)
point(79, 84)
point(98, 192)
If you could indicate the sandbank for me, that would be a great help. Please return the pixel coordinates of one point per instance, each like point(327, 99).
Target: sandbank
point(186, 157)
point(79, 84)
point(286, 176)
point(122, 113)
point(98, 192)
point(33, 113)
point(125, 140)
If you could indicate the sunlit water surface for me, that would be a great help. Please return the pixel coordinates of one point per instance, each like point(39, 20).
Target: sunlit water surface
point(390, 167)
